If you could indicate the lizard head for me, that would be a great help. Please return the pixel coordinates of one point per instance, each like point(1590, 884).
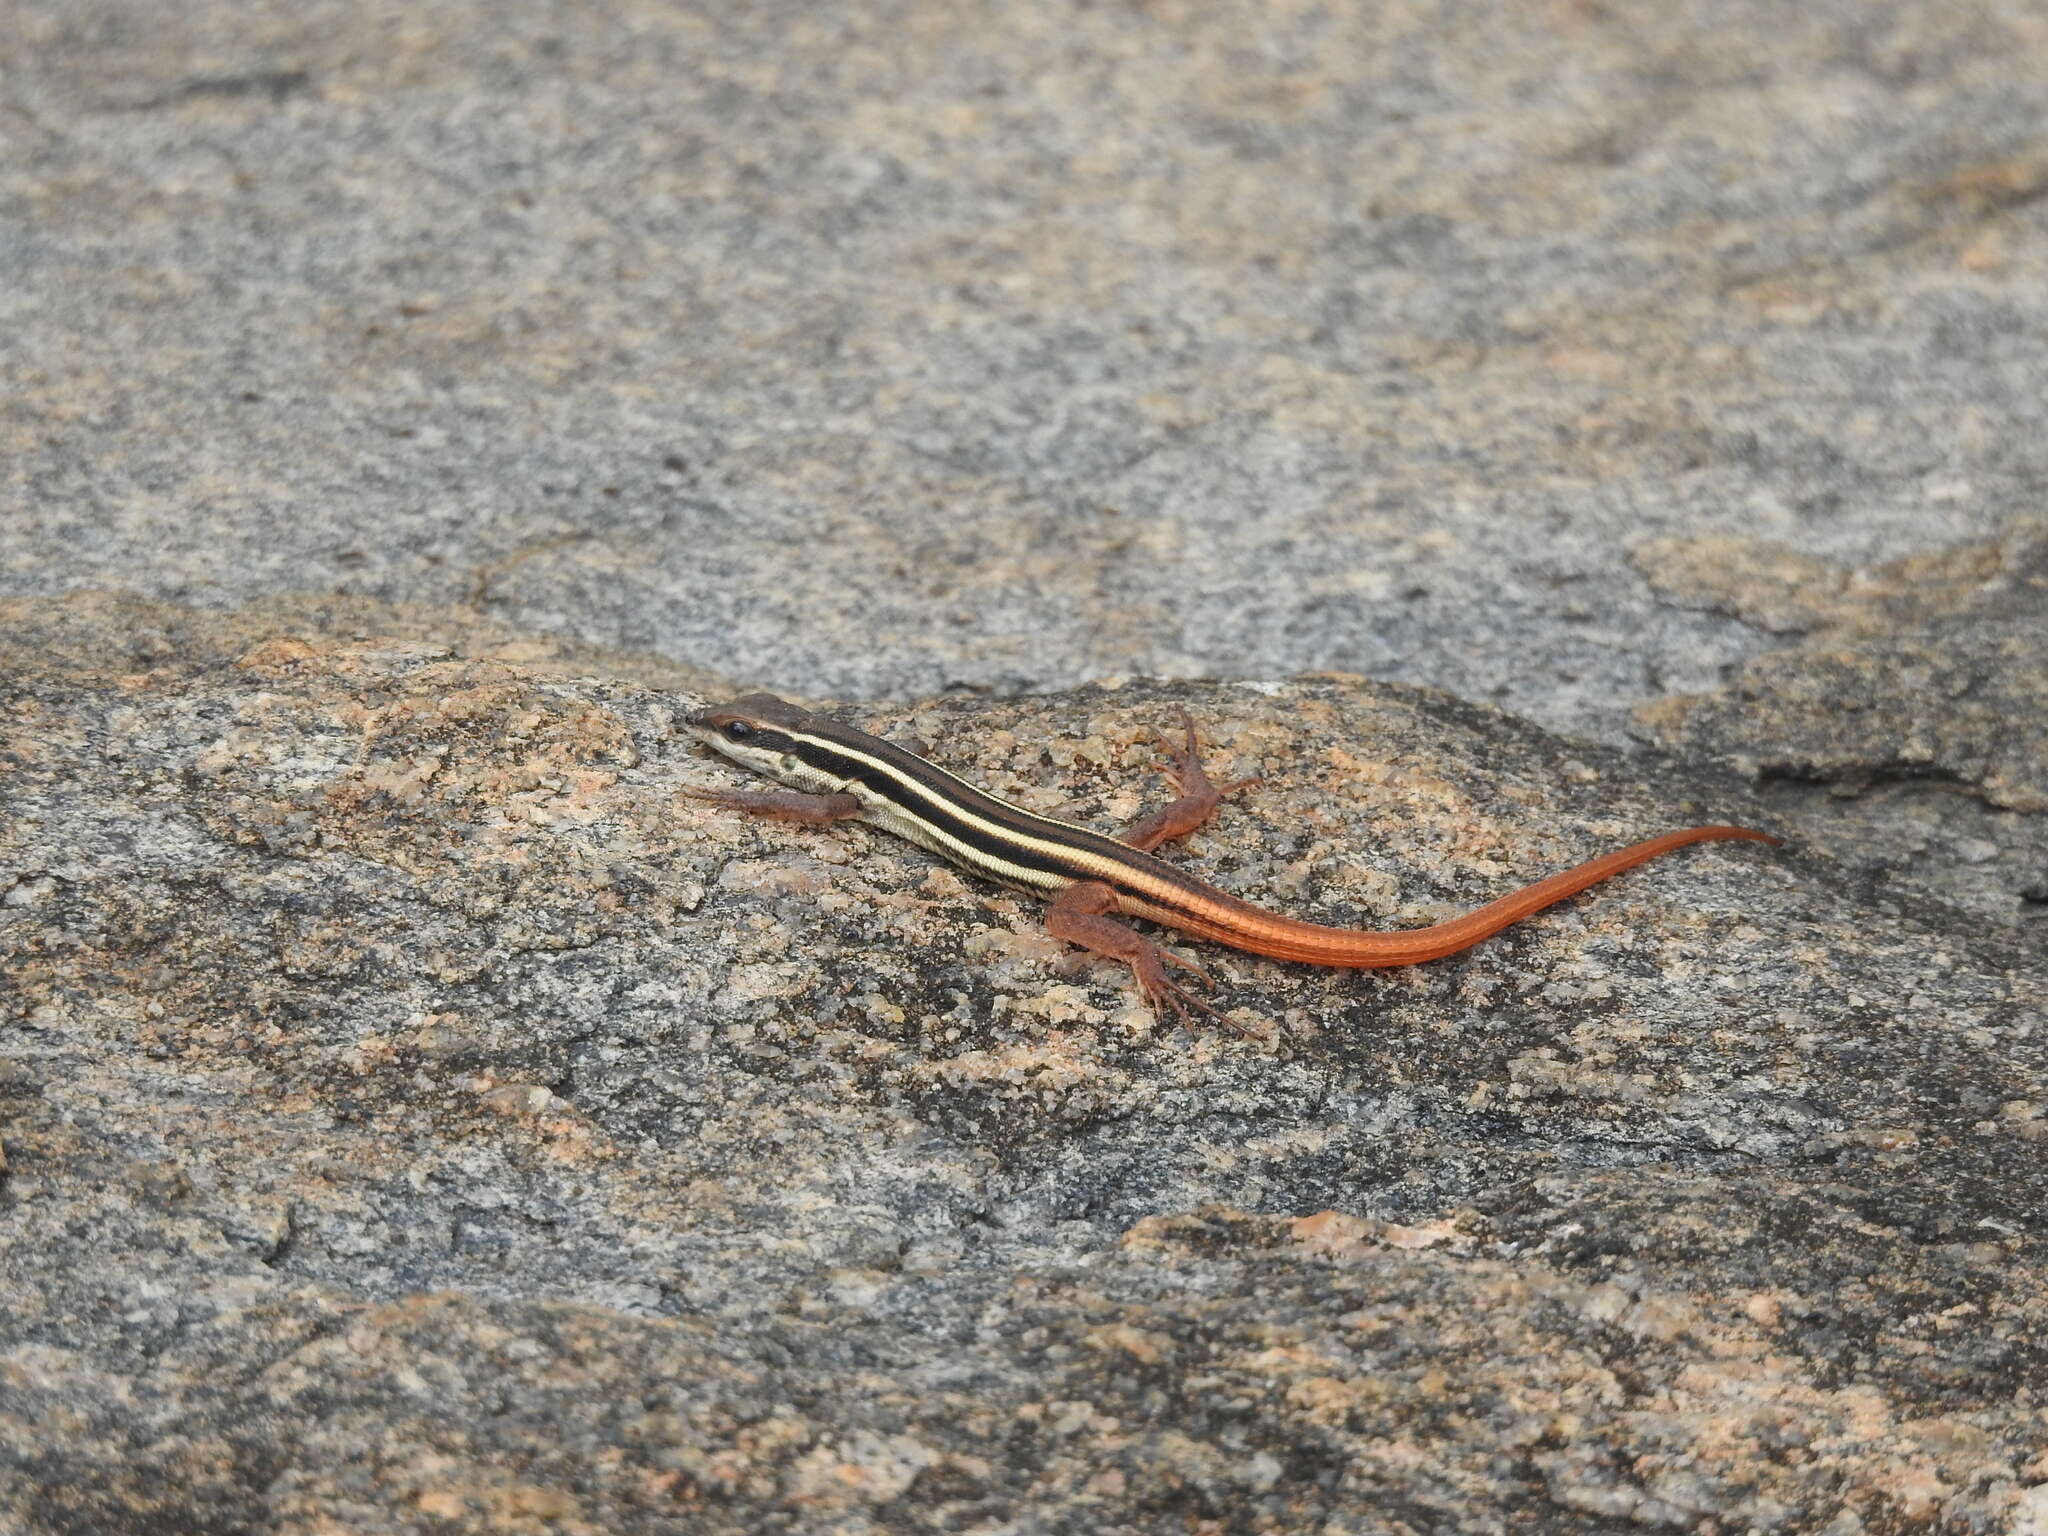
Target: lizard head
point(754, 731)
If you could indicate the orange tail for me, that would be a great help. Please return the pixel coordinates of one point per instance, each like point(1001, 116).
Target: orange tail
point(1266, 933)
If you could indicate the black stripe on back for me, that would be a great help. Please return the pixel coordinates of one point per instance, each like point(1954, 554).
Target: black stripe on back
point(942, 790)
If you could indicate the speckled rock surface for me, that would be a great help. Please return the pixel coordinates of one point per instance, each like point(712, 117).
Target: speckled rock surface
point(1072, 339)
point(1915, 695)
point(417, 1118)
point(413, 1117)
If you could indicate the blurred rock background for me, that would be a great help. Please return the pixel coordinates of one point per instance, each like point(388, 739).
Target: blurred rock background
point(412, 1119)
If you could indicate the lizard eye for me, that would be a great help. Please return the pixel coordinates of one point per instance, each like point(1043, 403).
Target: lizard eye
point(737, 730)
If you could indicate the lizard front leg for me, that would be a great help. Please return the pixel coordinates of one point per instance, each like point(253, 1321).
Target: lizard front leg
point(787, 805)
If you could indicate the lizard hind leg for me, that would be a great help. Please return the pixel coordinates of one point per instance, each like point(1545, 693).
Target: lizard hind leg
point(1198, 797)
point(1080, 915)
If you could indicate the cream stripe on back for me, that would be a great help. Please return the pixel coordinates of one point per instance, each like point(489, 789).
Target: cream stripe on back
point(899, 813)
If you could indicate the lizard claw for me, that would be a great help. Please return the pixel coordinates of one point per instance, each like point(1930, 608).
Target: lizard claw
point(1158, 988)
point(1183, 766)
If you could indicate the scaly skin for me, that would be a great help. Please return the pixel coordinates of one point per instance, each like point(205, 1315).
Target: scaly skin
point(1092, 880)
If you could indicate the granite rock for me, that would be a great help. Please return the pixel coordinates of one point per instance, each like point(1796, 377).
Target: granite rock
point(1915, 694)
point(416, 1117)
point(1071, 340)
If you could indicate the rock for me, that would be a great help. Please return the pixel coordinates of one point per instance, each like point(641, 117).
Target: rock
point(413, 1117)
point(521, 1147)
point(1917, 699)
point(1074, 341)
